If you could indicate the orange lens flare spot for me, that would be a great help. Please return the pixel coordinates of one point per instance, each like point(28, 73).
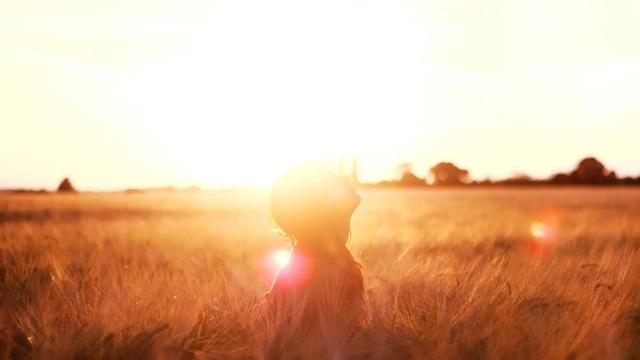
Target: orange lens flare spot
point(539, 230)
point(544, 236)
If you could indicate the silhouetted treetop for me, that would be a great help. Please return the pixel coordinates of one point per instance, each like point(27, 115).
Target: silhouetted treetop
point(560, 179)
point(519, 179)
point(446, 173)
point(591, 171)
point(408, 178)
point(66, 186)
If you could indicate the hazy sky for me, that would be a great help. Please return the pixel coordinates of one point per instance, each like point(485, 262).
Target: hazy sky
point(148, 92)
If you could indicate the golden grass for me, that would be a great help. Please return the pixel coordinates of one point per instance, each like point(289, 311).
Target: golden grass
point(449, 274)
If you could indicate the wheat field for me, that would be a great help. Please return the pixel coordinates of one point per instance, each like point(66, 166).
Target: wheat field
point(469, 273)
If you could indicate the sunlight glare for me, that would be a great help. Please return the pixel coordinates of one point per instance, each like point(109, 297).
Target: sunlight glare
point(281, 258)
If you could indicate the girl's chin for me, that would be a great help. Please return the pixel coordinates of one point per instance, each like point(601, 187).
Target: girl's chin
point(355, 201)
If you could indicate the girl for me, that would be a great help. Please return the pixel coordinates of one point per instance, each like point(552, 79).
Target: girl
point(317, 301)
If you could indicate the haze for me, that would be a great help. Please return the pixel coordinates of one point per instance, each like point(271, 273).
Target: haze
point(230, 93)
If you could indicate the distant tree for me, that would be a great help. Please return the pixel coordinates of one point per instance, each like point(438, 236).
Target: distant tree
point(560, 179)
point(408, 178)
point(446, 173)
point(486, 180)
point(591, 171)
point(518, 179)
point(66, 186)
point(628, 181)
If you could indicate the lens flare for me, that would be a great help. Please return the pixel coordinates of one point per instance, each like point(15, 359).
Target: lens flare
point(544, 235)
point(539, 230)
point(281, 258)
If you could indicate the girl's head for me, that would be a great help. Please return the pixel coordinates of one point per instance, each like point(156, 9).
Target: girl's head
point(313, 205)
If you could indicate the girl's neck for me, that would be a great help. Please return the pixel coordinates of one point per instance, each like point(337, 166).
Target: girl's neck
point(331, 252)
point(327, 248)
point(324, 242)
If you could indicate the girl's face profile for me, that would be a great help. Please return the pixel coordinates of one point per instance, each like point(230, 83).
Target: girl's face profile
point(343, 196)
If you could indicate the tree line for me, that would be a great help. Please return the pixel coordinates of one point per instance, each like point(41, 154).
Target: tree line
point(589, 171)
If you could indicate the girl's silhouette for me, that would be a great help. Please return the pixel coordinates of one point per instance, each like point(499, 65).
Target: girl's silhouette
point(317, 301)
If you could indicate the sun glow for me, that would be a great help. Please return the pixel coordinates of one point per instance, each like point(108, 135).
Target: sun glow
point(240, 99)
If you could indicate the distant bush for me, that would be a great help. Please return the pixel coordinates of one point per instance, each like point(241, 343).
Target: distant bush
point(446, 173)
point(66, 186)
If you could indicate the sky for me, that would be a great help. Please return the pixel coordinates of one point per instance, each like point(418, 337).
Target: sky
point(138, 93)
